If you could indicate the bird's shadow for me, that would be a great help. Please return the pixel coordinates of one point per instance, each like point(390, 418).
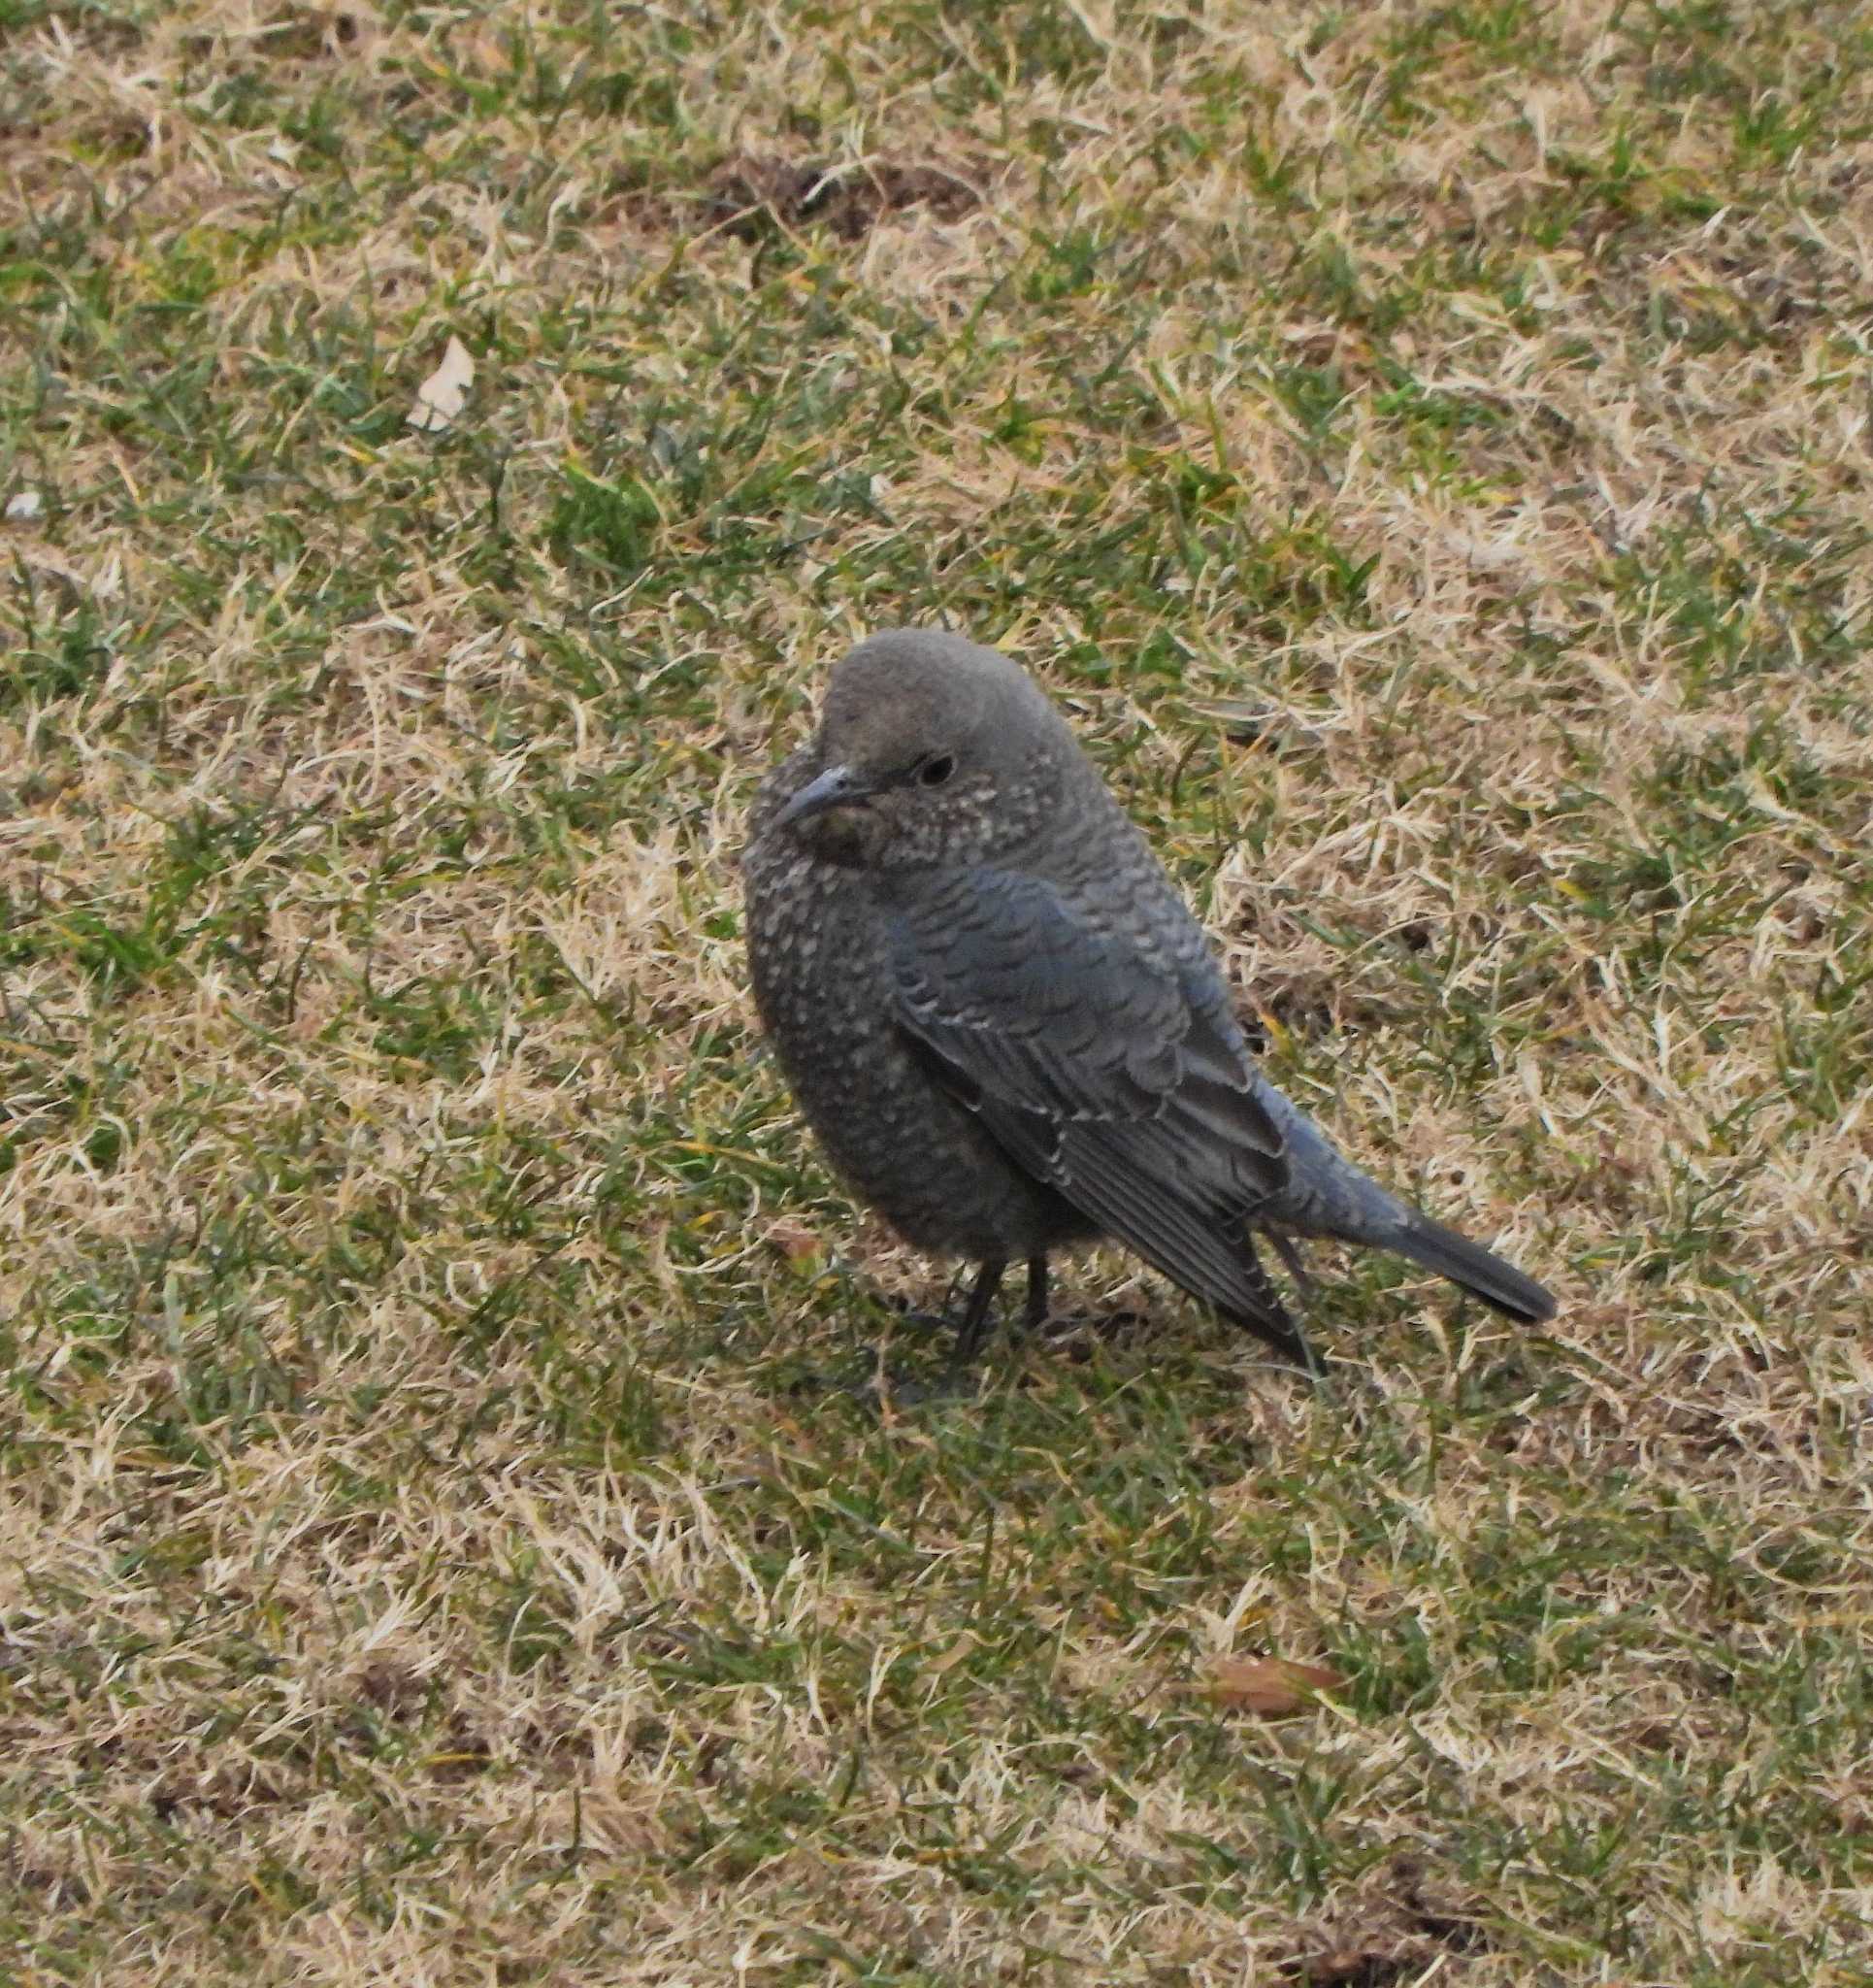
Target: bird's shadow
point(1076, 1334)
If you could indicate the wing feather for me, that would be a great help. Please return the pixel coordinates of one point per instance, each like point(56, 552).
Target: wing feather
point(1112, 1070)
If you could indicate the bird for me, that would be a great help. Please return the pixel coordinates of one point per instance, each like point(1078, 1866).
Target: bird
point(1005, 1027)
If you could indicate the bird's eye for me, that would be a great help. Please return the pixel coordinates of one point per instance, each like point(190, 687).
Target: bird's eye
point(935, 770)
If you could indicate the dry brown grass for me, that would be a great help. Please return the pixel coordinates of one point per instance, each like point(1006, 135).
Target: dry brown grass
point(1430, 451)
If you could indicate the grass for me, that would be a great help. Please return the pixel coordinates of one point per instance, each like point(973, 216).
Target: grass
point(1427, 451)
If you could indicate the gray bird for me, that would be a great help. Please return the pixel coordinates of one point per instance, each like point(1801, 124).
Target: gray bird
point(1002, 1022)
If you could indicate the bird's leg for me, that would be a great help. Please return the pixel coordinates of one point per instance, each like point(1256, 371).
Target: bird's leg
point(975, 1317)
point(1036, 1315)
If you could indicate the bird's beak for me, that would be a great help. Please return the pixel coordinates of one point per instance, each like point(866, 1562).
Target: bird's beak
point(839, 786)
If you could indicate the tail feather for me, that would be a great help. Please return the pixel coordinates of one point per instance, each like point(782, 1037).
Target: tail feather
point(1482, 1273)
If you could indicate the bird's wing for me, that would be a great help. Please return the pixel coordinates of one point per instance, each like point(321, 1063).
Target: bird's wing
point(1112, 1070)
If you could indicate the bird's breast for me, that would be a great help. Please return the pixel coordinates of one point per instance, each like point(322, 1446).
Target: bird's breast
point(827, 993)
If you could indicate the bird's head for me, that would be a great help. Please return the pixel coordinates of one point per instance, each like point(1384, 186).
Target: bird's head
point(931, 751)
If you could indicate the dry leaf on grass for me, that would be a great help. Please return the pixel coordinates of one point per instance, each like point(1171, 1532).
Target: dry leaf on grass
point(445, 393)
point(797, 1242)
point(1271, 1687)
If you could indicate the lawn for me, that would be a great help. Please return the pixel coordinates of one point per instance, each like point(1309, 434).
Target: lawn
point(1428, 451)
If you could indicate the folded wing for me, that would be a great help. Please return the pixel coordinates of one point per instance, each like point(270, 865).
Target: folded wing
point(1111, 1069)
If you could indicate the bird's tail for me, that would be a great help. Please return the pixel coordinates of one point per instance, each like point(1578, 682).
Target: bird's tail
point(1479, 1271)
